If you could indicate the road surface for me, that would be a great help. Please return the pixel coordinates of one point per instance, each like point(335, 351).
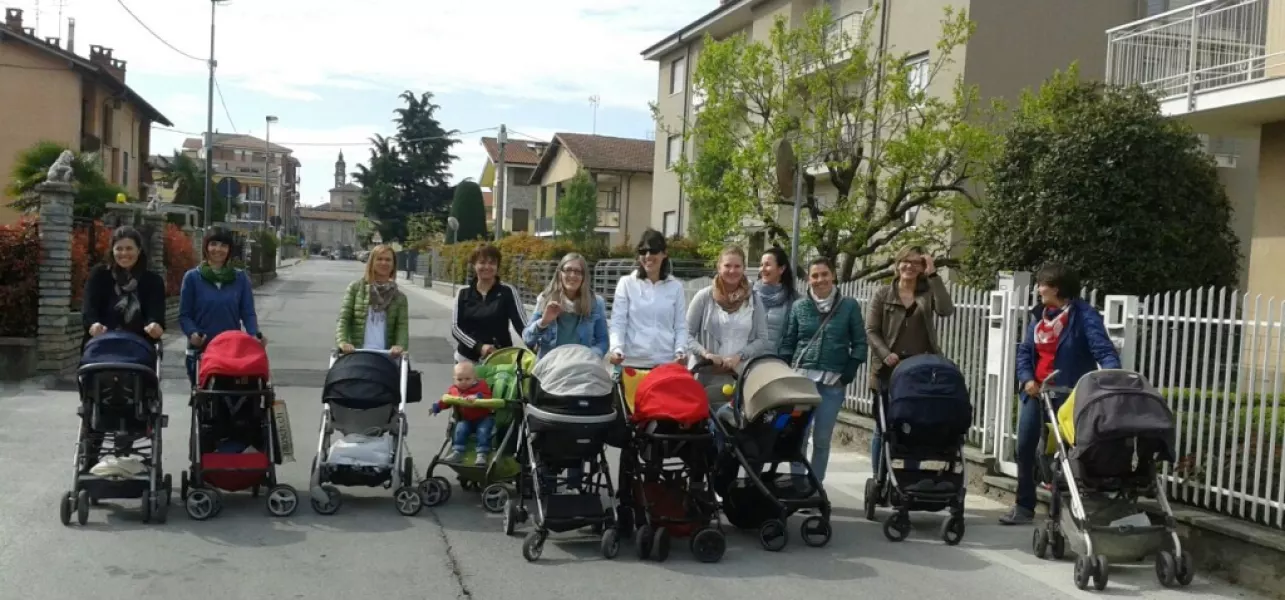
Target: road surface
point(457, 550)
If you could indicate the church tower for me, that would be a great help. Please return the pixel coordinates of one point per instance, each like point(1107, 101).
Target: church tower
point(341, 171)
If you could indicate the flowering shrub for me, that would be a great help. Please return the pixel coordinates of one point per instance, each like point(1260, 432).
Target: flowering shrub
point(179, 258)
point(19, 278)
point(83, 258)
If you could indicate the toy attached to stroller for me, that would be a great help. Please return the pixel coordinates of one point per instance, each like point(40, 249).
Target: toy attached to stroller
point(364, 400)
point(120, 402)
point(1111, 433)
point(233, 444)
point(565, 426)
point(502, 371)
point(667, 468)
point(766, 427)
point(923, 425)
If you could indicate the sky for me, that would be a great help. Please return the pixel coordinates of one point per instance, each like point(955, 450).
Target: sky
point(332, 71)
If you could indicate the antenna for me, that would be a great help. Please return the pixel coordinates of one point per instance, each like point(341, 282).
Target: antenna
point(594, 100)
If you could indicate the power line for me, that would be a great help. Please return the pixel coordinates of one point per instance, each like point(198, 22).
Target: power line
point(154, 34)
point(226, 112)
point(333, 144)
point(527, 135)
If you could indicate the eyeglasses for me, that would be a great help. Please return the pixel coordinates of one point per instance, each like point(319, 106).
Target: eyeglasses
point(571, 271)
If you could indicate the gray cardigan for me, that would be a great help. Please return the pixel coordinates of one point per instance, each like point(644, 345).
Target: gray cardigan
point(698, 313)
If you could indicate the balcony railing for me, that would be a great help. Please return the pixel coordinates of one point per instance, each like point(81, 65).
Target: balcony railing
point(608, 218)
point(544, 225)
point(845, 31)
point(1198, 48)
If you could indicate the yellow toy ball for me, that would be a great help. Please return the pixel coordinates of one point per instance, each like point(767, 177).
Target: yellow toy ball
point(728, 389)
point(122, 199)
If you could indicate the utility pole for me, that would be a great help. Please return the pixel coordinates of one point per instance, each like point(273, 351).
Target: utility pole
point(501, 182)
point(267, 167)
point(209, 127)
point(593, 101)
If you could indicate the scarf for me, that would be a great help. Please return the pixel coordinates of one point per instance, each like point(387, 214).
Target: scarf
point(731, 300)
point(382, 295)
point(127, 304)
point(824, 305)
point(219, 277)
point(771, 295)
point(1051, 324)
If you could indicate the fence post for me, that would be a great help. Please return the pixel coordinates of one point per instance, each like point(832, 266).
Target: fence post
point(1120, 314)
point(1002, 335)
point(55, 349)
point(154, 222)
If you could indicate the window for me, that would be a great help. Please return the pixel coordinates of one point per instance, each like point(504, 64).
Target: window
point(673, 150)
point(670, 225)
point(917, 73)
point(124, 170)
point(609, 199)
point(678, 75)
point(519, 220)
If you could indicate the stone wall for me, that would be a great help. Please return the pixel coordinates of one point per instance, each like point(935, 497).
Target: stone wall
point(55, 352)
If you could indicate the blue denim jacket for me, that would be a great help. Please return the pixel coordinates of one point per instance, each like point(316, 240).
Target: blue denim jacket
point(591, 332)
point(1083, 347)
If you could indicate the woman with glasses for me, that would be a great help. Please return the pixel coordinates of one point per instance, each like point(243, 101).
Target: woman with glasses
point(568, 312)
point(649, 311)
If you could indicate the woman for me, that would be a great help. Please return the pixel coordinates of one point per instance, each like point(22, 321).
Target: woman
point(1066, 334)
point(485, 309)
point(568, 312)
point(215, 298)
point(825, 340)
point(122, 295)
point(900, 324)
point(775, 290)
point(374, 312)
point(729, 317)
point(648, 324)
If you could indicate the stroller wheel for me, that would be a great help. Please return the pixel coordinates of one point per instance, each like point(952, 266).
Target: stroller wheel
point(709, 545)
point(1040, 542)
point(1084, 567)
point(532, 546)
point(201, 504)
point(64, 507)
point(82, 507)
point(1166, 568)
point(1057, 542)
point(773, 536)
point(610, 543)
point(494, 497)
point(333, 500)
point(145, 506)
point(161, 505)
point(816, 531)
point(1101, 571)
point(183, 486)
point(1186, 569)
point(660, 545)
point(871, 498)
point(896, 527)
point(642, 541)
point(952, 531)
point(435, 491)
point(510, 517)
point(409, 501)
point(282, 501)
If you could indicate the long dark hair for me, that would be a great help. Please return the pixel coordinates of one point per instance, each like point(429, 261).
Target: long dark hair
point(126, 232)
point(654, 241)
point(787, 272)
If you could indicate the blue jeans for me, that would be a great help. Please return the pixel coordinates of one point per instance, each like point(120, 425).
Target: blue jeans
point(484, 428)
point(1030, 419)
point(821, 429)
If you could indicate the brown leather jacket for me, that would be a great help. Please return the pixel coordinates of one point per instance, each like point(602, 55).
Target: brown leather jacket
point(885, 313)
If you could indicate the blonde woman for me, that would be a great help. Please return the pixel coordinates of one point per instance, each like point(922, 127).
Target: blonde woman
point(374, 313)
point(726, 321)
point(568, 312)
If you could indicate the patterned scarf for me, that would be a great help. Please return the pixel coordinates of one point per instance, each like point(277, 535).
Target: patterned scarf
point(382, 294)
point(127, 304)
point(220, 276)
point(772, 295)
point(731, 300)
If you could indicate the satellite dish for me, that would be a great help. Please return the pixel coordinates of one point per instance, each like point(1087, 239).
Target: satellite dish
point(786, 168)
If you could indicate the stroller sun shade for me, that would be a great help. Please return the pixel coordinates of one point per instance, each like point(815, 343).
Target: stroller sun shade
point(233, 354)
point(1114, 404)
point(768, 383)
point(670, 392)
point(363, 380)
point(573, 371)
point(119, 347)
point(928, 393)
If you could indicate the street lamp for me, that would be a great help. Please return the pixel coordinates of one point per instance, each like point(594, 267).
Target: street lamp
point(267, 166)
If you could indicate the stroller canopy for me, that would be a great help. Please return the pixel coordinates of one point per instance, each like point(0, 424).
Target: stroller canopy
point(233, 354)
point(1112, 404)
point(768, 383)
point(363, 380)
point(928, 391)
point(119, 347)
point(670, 392)
point(573, 371)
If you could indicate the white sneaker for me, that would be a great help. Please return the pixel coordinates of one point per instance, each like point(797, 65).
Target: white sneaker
point(480, 461)
point(451, 457)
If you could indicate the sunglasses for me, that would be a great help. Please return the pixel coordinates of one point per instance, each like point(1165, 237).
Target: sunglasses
point(649, 251)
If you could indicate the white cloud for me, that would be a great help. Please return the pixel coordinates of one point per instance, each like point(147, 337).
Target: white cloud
point(563, 50)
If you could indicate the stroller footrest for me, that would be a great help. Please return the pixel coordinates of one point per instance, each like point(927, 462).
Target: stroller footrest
point(574, 505)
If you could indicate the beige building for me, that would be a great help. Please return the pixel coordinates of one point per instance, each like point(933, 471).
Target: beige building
point(50, 93)
point(1017, 45)
point(1234, 94)
point(621, 167)
point(334, 224)
point(244, 159)
point(520, 194)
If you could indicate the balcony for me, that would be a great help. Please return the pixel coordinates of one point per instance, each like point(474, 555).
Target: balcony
point(544, 226)
point(609, 219)
point(1207, 47)
point(845, 32)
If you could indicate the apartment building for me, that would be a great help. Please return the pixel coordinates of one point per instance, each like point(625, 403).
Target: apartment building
point(1017, 45)
point(621, 170)
point(243, 160)
point(1219, 66)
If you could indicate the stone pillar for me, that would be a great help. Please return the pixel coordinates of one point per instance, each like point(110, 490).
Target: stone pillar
point(56, 350)
point(155, 223)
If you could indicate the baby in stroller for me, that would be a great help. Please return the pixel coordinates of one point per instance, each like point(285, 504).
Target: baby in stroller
point(473, 420)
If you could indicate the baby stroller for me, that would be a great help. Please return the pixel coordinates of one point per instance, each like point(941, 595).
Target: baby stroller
point(233, 444)
point(1110, 436)
point(924, 423)
point(364, 399)
point(667, 467)
point(772, 406)
point(502, 371)
point(565, 425)
point(120, 401)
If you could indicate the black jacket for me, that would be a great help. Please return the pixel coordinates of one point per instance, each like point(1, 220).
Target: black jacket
point(480, 320)
point(99, 301)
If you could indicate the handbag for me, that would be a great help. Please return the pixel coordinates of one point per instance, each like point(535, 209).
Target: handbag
point(817, 336)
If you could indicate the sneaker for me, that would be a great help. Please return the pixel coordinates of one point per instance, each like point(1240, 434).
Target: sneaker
point(1017, 516)
point(480, 461)
point(452, 456)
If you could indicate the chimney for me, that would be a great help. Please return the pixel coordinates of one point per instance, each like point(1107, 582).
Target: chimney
point(71, 36)
point(54, 41)
point(102, 56)
point(13, 18)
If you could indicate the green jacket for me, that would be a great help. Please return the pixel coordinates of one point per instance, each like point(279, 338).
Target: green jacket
point(841, 347)
point(351, 327)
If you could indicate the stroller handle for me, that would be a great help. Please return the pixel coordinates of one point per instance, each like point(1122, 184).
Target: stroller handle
point(1048, 389)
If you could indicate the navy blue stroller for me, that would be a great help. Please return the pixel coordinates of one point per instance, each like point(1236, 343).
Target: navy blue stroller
point(120, 403)
point(924, 424)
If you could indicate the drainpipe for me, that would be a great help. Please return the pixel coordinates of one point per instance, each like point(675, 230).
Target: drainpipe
point(687, 90)
point(625, 206)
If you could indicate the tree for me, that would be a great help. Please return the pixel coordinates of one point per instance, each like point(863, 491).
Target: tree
point(863, 113)
point(410, 172)
point(1095, 177)
point(469, 209)
point(188, 179)
point(577, 212)
point(92, 190)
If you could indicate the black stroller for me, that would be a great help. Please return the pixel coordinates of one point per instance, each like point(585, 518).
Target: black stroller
point(772, 407)
point(924, 423)
point(120, 402)
point(565, 425)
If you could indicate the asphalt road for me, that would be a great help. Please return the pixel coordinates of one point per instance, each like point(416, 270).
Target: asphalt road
point(457, 550)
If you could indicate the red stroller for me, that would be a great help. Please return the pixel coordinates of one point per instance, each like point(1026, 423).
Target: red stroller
point(233, 444)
